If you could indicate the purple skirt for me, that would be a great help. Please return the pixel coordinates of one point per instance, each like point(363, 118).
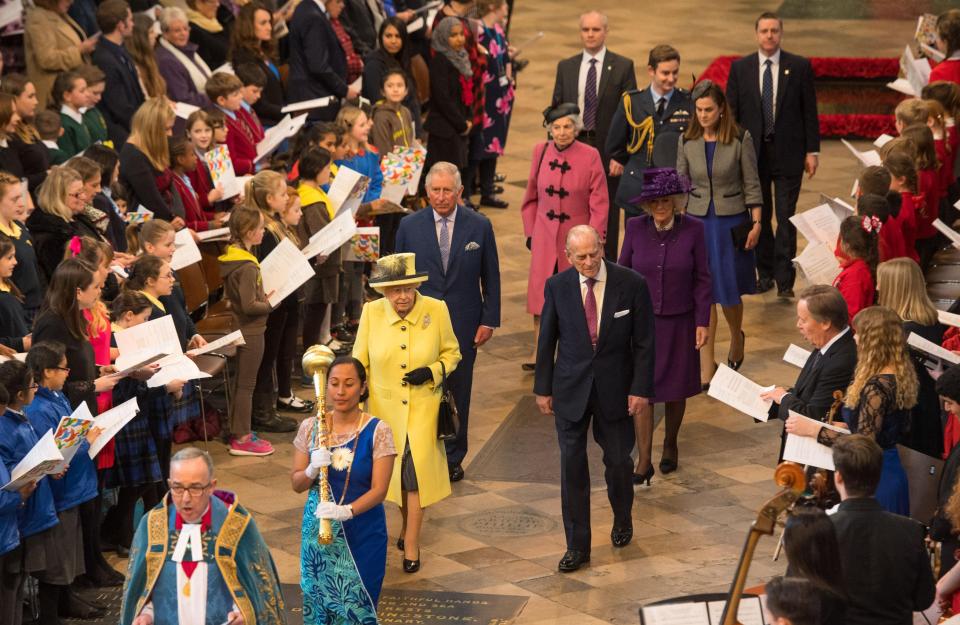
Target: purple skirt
point(677, 374)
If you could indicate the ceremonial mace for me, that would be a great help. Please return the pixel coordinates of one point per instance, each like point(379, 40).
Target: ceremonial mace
point(316, 363)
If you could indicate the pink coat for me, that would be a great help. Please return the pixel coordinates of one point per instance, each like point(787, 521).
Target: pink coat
point(569, 190)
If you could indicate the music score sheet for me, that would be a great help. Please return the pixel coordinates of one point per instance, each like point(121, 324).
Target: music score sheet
point(819, 224)
point(186, 252)
point(948, 318)
point(43, 459)
point(145, 340)
point(796, 355)
point(929, 347)
point(676, 614)
point(328, 239)
point(948, 232)
point(739, 392)
point(284, 270)
point(234, 338)
point(806, 450)
point(111, 422)
point(818, 263)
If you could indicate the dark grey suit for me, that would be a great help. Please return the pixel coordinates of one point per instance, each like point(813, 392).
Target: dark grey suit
point(616, 77)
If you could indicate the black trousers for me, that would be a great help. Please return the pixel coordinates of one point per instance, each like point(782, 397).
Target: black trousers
point(616, 439)
point(461, 385)
point(279, 349)
point(775, 253)
point(613, 215)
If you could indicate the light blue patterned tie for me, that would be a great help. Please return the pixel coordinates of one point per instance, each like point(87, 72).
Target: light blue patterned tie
point(444, 243)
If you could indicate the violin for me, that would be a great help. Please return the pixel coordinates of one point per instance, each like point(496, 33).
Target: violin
point(791, 479)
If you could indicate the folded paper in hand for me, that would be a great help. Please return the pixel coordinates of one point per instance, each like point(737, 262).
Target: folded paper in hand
point(739, 392)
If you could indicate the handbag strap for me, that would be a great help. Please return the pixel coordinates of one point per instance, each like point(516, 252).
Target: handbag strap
point(443, 378)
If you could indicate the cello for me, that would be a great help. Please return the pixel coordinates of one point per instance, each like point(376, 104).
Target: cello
point(791, 479)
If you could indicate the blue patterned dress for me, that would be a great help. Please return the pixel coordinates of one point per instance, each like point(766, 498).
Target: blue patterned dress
point(341, 581)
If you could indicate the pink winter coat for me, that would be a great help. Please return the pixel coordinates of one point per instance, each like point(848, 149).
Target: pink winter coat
point(569, 190)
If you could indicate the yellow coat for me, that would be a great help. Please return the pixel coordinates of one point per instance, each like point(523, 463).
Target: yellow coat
point(389, 347)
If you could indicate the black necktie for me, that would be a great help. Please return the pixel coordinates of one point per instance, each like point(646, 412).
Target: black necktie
point(661, 104)
point(767, 99)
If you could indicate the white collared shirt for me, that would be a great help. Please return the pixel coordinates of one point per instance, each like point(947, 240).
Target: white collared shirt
point(584, 68)
point(598, 289)
point(76, 116)
point(323, 7)
point(451, 220)
point(823, 350)
point(775, 70)
point(51, 144)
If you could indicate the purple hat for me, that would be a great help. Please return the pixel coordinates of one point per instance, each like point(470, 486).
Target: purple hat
point(660, 182)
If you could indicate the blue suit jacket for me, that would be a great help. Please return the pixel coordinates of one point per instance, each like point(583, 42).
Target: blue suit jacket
point(317, 61)
point(471, 285)
point(623, 362)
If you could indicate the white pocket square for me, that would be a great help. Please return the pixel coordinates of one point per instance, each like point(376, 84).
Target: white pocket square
point(472, 245)
point(621, 313)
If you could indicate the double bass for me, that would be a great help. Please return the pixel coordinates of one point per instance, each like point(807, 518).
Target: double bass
point(790, 477)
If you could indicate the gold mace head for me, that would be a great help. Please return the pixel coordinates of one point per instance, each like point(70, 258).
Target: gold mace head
point(317, 359)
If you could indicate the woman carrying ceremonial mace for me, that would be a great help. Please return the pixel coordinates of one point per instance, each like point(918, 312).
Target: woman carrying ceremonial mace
point(344, 457)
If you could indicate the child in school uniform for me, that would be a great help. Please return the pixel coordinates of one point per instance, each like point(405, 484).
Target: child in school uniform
point(78, 488)
point(50, 129)
point(243, 288)
point(859, 243)
point(144, 442)
point(253, 79)
point(11, 552)
point(93, 119)
point(929, 183)
point(14, 332)
point(903, 183)
point(184, 163)
point(200, 131)
point(51, 545)
point(225, 90)
point(70, 94)
point(392, 121)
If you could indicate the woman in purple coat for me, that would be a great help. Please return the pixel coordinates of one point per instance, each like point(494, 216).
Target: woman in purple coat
point(668, 249)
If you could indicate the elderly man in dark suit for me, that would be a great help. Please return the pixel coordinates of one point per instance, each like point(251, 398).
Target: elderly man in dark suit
point(886, 566)
point(596, 80)
point(772, 95)
point(455, 245)
point(822, 320)
point(595, 362)
point(318, 64)
point(647, 126)
point(123, 92)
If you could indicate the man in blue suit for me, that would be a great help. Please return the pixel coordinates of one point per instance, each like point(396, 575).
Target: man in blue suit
point(595, 362)
point(456, 247)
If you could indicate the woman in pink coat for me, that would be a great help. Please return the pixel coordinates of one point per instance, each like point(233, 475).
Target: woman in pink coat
point(566, 188)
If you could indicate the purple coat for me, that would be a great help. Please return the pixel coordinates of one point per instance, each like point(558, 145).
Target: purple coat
point(180, 86)
point(674, 264)
point(675, 267)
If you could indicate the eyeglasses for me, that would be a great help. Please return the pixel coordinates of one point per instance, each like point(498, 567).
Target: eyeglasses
point(195, 491)
point(169, 276)
point(65, 369)
point(33, 387)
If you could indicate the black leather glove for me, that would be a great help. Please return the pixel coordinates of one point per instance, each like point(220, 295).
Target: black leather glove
point(528, 243)
point(418, 376)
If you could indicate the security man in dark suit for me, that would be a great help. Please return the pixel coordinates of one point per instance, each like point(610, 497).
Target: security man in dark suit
point(464, 272)
point(595, 362)
point(596, 80)
point(887, 575)
point(647, 126)
point(772, 95)
point(123, 92)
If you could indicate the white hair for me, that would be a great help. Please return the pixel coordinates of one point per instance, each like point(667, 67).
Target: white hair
point(577, 121)
point(580, 232)
point(603, 18)
point(443, 167)
point(170, 15)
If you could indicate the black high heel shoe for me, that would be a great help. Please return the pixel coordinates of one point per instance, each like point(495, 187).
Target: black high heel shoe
point(400, 544)
point(735, 365)
point(411, 566)
point(640, 478)
point(668, 465)
point(705, 386)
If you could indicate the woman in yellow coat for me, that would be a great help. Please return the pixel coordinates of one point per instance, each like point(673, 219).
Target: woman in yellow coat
point(402, 340)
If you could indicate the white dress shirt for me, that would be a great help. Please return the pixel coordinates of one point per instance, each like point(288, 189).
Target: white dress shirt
point(76, 116)
point(828, 344)
point(775, 69)
point(584, 68)
point(598, 289)
point(451, 220)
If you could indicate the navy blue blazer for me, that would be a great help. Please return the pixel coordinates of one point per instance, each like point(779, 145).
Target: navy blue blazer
point(318, 64)
point(667, 131)
point(623, 362)
point(471, 285)
point(123, 93)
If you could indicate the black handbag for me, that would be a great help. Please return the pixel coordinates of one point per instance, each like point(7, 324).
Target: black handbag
point(740, 234)
point(448, 420)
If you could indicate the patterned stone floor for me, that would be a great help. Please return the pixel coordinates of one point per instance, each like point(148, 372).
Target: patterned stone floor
point(506, 537)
